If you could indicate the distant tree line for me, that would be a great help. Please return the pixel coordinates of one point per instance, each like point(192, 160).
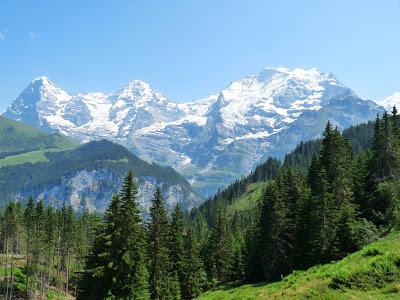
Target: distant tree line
point(41, 249)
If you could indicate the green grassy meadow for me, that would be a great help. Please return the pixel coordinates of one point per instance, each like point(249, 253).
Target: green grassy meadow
point(371, 273)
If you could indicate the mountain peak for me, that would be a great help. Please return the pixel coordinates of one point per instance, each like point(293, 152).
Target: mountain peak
point(138, 89)
point(44, 86)
point(389, 102)
point(43, 81)
point(298, 73)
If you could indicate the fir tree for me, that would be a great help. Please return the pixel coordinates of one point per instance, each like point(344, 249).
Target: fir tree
point(177, 247)
point(116, 266)
point(193, 274)
point(163, 280)
point(130, 271)
point(217, 254)
point(277, 256)
point(29, 218)
point(97, 280)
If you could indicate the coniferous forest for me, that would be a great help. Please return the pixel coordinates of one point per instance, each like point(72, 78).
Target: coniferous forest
point(327, 199)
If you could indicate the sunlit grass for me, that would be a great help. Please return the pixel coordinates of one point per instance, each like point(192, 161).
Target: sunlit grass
point(28, 157)
point(371, 273)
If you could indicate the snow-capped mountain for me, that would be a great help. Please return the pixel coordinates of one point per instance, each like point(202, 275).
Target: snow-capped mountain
point(211, 141)
point(389, 102)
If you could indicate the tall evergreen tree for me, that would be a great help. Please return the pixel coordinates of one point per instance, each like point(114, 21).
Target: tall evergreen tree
point(304, 256)
point(217, 257)
point(29, 218)
point(193, 273)
point(131, 272)
point(116, 267)
point(177, 247)
point(277, 255)
point(97, 280)
point(163, 281)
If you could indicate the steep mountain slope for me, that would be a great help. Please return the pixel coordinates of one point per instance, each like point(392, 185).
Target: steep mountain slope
point(17, 137)
point(53, 167)
point(211, 142)
point(371, 273)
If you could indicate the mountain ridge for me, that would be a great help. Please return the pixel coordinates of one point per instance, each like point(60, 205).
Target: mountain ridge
point(210, 141)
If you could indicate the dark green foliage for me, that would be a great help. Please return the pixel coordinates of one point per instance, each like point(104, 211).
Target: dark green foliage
point(177, 246)
point(130, 270)
point(43, 241)
point(97, 279)
point(383, 166)
point(300, 158)
point(193, 274)
point(216, 255)
point(277, 221)
point(163, 279)
point(116, 266)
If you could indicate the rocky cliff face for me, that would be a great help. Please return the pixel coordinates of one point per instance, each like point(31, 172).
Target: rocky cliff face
point(92, 191)
point(87, 176)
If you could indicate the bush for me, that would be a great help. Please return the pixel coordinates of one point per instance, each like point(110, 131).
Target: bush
point(372, 251)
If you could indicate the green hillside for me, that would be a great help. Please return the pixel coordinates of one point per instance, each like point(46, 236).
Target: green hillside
point(371, 273)
point(17, 138)
point(31, 173)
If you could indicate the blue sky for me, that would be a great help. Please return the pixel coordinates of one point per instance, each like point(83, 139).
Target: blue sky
point(189, 49)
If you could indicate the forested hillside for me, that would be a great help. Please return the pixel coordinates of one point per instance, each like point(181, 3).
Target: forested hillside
point(360, 138)
point(84, 176)
point(327, 199)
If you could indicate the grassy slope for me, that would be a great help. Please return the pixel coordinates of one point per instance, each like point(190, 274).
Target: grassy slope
point(28, 157)
point(17, 138)
point(248, 201)
point(371, 273)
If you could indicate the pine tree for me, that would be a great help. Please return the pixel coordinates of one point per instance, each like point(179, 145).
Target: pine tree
point(238, 261)
point(217, 260)
point(130, 272)
point(177, 246)
point(97, 280)
point(362, 196)
point(277, 256)
point(163, 280)
point(324, 219)
point(395, 118)
point(253, 252)
point(304, 253)
point(29, 218)
point(116, 266)
point(332, 192)
point(193, 274)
